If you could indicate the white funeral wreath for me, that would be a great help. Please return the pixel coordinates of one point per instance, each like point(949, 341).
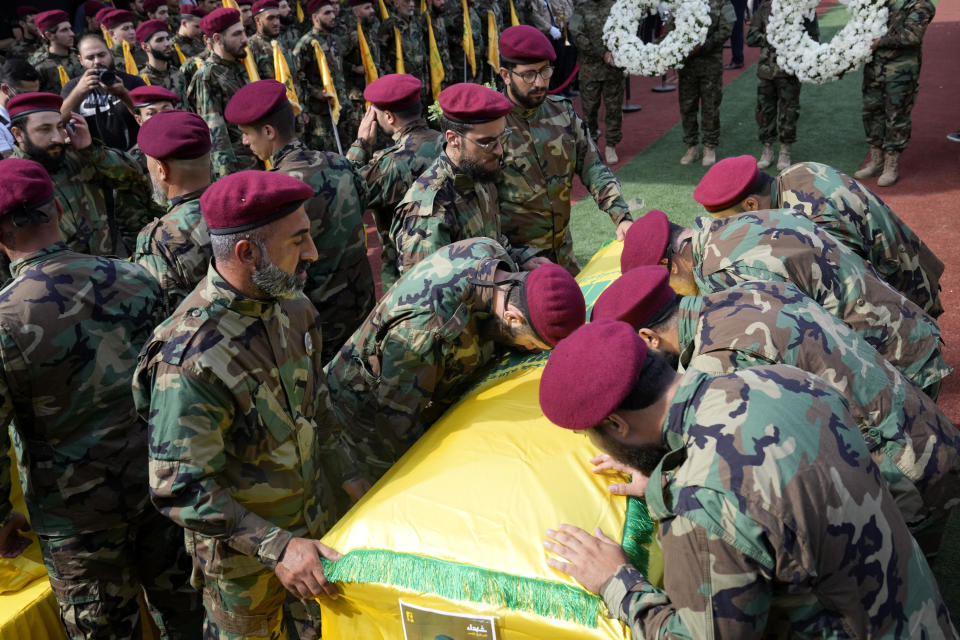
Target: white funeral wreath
point(691, 19)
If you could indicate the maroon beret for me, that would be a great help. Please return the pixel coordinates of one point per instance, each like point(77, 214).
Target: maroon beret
point(314, 5)
point(92, 7)
point(149, 6)
point(192, 10)
point(357, 3)
point(27, 10)
point(27, 185)
point(554, 302)
point(142, 96)
point(116, 18)
point(101, 14)
point(49, 19)
point(635, 297)
point(249, 199)
point(525, 44)
point(727, 183)
point(149, 27)
point(393, 92)
point(646, 241)
point(263, 5)
point(255, 101)
point(177, 135)
point(24, 104)
point(473, 103)
point(590, 373)
point(219, 19)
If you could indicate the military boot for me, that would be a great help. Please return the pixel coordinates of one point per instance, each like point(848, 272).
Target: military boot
point(766, 156)
point(890, 169)
point(709, 157)
point(690, 155)
point(783, 161)
point(874, 164)
point(610, 155)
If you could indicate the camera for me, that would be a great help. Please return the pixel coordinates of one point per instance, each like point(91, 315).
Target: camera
point(106, 77)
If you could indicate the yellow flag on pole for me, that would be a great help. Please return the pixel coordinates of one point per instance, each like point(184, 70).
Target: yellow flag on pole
point(281, 73)
point(128, 64)
point(436, 64)
point(327, 77)
point(514, 21)
point(300, 16)
point(248, 62)
point(468, 39)
point(106, 37)
point(493, 42)
point(384, 14)
point(423, 6)
point(145, 78)
point(398, 50)
point(369, 69)
point(180, 55)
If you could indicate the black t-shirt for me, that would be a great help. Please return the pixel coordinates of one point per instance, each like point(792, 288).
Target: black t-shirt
point(108, 118)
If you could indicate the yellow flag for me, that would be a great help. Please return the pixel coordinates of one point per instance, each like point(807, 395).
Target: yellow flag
point(423, 6)
point(129, 65)
point(64, 78)
point(230, 4)
point(513, 15)
point(468, 39)
point(383, 11)
point(267, 164)
point(327, 77)
point(493, 42)
point(369, 69)
point(398, 46)
point(107, 38)
point(300, 16)
point(281, 72)
point(145, 79)
point(180, 55)
point(436, 64)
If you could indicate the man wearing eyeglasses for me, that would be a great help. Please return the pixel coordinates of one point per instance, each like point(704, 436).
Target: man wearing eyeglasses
point(548, 144)
point(455, 198)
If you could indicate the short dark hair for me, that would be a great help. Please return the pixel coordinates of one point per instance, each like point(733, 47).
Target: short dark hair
point(25, 218)
point(410, 113)
point(455, 125)
point(14, 71)
point(282, 119)
point(761, 186)
point(651, 384)
point(673, 238)
point(666, 316)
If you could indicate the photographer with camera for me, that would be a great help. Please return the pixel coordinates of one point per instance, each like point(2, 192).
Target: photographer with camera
point(101, 95)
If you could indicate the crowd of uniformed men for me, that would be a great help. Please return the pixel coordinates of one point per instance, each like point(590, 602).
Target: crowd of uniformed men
point(768, 378)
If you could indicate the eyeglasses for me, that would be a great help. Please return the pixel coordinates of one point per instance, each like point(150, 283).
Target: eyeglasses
point(489, 146)
point(531, 76)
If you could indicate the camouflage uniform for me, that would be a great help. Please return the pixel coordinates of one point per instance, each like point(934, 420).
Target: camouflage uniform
point(891, 76)
point(596, 76)
point(24, 49)
point(547, 146)
point(439, 19)
point(783, 246)
point(46, 64)
point(700, 79)
point(319, 133)
point(454, 25)
point(778, 92)
point(760, 323)
point(189, 70)
point(261, 47)
point(70, 328)
point(356, 82)
point(189, 47)
point(139, 56)
point(417, 351)
point(171, 79)
point(776, 522)
point(210, 88)
point(416, 54)
point(340, 282)
point(175, 249)
point(238, 408)
point(444, 206)
point(858, 218)
point(388, 175)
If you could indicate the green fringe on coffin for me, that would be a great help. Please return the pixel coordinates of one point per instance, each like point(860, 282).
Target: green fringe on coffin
point(456, 581)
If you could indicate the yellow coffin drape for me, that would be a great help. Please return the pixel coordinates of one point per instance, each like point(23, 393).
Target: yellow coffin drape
point(468, 39)
point(327, 78)
point(128, 64)
point(436, 64)
point(465, 510)
point(493, 41)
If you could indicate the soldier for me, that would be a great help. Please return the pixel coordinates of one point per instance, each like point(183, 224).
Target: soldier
point(701, 86)
point(56, 63)
point(778, 92)
point(246, 15)
point(119, 24)
point(216, 81)
point(156, 10)
point(147, 102)
point(30, 42)
point(16, 76)
point(771, 525)
point(161, 69)
point(781, 245)
point(289, 27)
point(266, 18)
point(433, 332)
point(388, 173)
point(548, 144)
point(189, 39)
point(175, 249)
point(843, 207)
point(598, 74)
point(455, 198)
point(81, 169)
point(438, 18)
point(339, 281)
point(413, 41)
point(890, 84)
point(454, 23)
point(72, 326)
point(238, 408)
point(355, 77)
point(90, 10)
point(762, 323)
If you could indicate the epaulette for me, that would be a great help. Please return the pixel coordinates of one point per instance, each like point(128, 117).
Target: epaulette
point(183, 329)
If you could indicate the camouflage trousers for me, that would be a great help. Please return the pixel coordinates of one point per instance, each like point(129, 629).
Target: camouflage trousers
point(318, 132)
point(98, 577)
point(700, 89)
point(778, 107)
point(889, 91)
point(598, 79)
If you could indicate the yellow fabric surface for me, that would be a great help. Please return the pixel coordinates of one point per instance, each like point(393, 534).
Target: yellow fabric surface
point(436, 64)
point(468, 40)
point(327, 78)
point(479, 489)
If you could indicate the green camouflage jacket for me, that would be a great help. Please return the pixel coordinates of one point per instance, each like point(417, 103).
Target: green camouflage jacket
point(357, 82)
point(767, 67)
point(46, 64)
point(309, 80)
point(417, 351)
point(546, 148)
point(775, 521)
point(907, 22)
point(171, 79)
point(855, 216)
point(139, 56)
point(722, 17)
point(781, 245)
point(238, 412)
point(175, 249)
point(585, 29)
point(760, 323)
point(340, 282)
point(190, 47)
point(25, 49)
point(70, 329)
point(261, 46)
point(416, 53)
point(454, 26)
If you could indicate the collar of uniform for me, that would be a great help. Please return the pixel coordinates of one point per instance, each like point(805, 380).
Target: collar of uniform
point(218, 291)
point(525, 112)
point(408, 128)
point(461, 181)
point(18, 266)
point(187, 197)
point(689, 316)
point(291, 147)
point(214, 58)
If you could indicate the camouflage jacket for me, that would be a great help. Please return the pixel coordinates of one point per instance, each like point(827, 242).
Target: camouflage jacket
point(210, 89)
point(907, 22)
point(547, 146)
point(767, 67)
point(417, 351)
point(171, 79)
point(357, 82)
point(722, 18)
point(308, 73)
point(585, 29)
point(340, 282)
point(416, 53)
point(237, 406)
point(70, 329)
point(444, 206)
point(24, 49)
point(858, 218)
point(438, 19)
point(261, 47)
point(781, 245)
point(46, 64)
point(454, 26)
point(139, 56)
point(175, 249)
point(776, 522)
point(760, 323)
point(189, 47)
